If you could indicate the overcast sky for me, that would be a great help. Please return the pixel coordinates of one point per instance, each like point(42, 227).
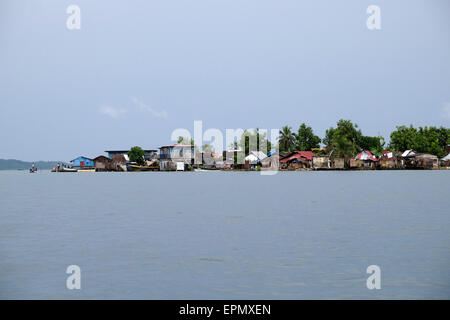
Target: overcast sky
point(137, 70)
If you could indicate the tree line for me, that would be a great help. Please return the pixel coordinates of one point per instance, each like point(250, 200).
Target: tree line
point(346, 140)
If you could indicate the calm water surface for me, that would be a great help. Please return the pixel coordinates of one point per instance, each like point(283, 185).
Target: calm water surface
point(217, 235)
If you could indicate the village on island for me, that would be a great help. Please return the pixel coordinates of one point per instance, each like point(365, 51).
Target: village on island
point(343, 148)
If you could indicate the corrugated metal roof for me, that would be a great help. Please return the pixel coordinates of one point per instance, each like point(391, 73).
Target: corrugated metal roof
point(408, 153)
point(366, 155)
point(80, 158)
point(177, 145)
point(306, 155)
point(126, 151)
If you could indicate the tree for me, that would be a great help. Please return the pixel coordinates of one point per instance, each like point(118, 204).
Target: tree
point(262, 143)
point(373, 144)
point(327, 141)
point(341, 147)
point(345, 140)
point(443, 138)
point(287, 139)
point(423, 139)
point(233, 145)
point(254, 141)
point(136, 154)
point(403, 138)
point(184, 140)
point(305, 139)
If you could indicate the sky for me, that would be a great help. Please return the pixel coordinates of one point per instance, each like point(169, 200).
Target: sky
point(137, 70)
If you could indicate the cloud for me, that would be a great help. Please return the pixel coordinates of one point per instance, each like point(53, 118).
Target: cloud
point(111, 111)
point(144, 107)
point(446, 110)
point(115, 113)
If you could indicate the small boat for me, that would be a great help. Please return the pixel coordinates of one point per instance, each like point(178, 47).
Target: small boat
point(136, 167)
point(205, 169)
point(63, 169)
point(33, 170)
point(86, 170)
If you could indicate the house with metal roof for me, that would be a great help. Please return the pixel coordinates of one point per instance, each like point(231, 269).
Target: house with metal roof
point(176, 156)
point(366, 155)
point(426, 161)
point(82, 162)
point(445, 161)
point(389, 160)
point(103, 163)
point(297, 160)
point(408, 153)
point(364, 159)
point(255, 157)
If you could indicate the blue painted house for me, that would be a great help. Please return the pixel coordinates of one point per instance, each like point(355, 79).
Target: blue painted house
point(82, 162)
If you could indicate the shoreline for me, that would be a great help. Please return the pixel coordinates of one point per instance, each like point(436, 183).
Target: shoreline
point(241, 170)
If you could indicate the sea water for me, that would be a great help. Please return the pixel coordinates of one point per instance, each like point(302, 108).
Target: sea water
point(225, 235)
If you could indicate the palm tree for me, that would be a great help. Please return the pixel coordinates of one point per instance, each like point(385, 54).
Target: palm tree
point(287, 139)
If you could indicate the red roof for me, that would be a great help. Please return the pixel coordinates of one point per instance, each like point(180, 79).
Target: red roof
point(300, 155)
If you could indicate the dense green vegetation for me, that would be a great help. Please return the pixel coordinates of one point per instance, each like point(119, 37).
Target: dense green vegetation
point(305, 139)
point(427, 140)
point(346, 140)
point(136, 154)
